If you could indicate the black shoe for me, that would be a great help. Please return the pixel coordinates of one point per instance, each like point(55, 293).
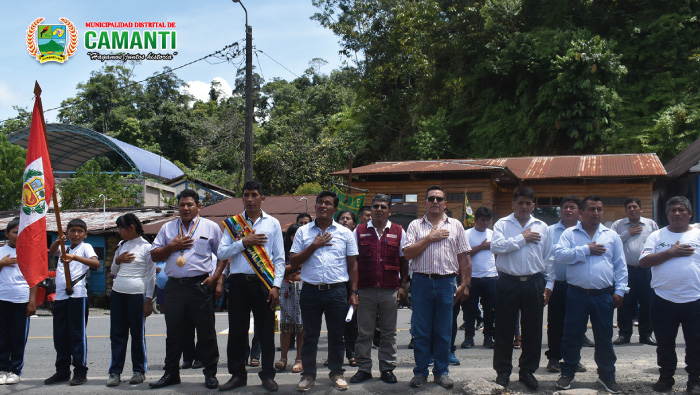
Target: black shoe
point(665, 383)
point(360, 376)
point(461, 327)
point(234, 382)
point(166, 380)
point(529, 380)
point(503, 379)
point(410, 344)
point(197, 364)
point(78, 379)
point(388, 377)
point(269, 384)
point(647, 339)
point(554, 366)
point(587, 342)
point(57, 378)
point(211, 382)
point(621, 340)
point(186, 365)
point(488, 342)
point(468, 343)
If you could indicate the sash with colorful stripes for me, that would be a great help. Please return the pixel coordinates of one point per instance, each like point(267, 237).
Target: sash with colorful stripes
point(256, 255)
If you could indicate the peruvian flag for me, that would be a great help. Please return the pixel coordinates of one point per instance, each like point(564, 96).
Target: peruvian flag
point(32, 255)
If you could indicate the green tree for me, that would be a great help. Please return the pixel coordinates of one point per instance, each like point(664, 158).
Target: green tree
point(12, 158)
point(83, 189)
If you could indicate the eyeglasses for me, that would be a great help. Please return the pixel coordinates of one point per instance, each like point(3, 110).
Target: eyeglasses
point(431, 199)
point(380, 206)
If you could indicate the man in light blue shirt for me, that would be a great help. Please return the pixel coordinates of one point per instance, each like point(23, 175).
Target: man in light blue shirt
point(247, 290)
point(327, 254)
point(597, 281)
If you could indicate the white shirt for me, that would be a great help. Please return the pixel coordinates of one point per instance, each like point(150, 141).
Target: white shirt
point(633, 244)
point(268, 225)
point(13, 286)
point(678, 279)
point(483, 263)
point(76, 268)
point(517, 257)
point(137, 276)
point(198, 258)
point(328, 264)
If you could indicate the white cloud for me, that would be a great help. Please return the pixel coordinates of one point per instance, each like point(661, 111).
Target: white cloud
point(200, 89)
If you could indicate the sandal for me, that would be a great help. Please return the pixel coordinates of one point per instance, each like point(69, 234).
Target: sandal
point(352, 362)
point(281, 365)
point(254, 362)
point(297, 367)
point(518, 342)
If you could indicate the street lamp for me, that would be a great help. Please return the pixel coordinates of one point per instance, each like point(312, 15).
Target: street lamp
point(248, 137)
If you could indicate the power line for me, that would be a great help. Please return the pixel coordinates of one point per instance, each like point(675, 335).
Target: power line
point(283, 66)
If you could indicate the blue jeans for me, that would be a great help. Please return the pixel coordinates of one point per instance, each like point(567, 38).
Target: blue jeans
point(579, 306)
point(667, 317)
point(314, 303)
point(431, 322)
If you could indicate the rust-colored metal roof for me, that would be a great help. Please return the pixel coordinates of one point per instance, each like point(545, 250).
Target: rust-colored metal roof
point(530, 168)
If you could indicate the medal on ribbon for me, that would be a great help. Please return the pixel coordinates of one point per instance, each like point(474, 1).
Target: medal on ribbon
point(181, 260)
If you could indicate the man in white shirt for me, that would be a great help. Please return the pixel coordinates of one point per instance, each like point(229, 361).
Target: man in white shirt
point(522, 246)
point(673, 254)
point(634, 230)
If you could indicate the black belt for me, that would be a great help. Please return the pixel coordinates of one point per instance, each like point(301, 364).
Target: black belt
point(529, 277)
point(594, 292)
point(323, 287)
point(188, 280)
point(247, 277)
point(434, 276)
point(635, 267)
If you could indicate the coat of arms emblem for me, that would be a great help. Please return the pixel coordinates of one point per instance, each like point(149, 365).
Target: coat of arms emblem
point(55, 42)
point(33, 195)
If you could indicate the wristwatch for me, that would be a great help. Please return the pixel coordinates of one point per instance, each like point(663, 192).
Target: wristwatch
point(354, 291)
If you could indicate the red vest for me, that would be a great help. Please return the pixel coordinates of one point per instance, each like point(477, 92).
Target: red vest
point(378, 262)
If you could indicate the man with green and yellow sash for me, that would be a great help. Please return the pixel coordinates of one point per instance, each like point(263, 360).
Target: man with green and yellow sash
point(253, 241)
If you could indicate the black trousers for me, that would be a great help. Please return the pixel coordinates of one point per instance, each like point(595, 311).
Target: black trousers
point(512, 295)
point(247, 293)
point(14, 328)
point(69, 339)
point(668, 317)
point(556, 310)
point(639, 280)
point(187, 304)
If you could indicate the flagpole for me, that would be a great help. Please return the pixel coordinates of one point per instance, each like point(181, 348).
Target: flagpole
point(66, 267)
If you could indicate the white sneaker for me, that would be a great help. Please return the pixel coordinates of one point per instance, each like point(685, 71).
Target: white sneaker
point(3, 377)
point(12, 378)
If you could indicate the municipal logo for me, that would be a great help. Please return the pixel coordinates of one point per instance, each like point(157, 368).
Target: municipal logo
point(33, 195)
point(52, 43)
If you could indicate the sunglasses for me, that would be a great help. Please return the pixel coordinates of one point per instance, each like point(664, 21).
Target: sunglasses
point(380, 206)
point(431, 199)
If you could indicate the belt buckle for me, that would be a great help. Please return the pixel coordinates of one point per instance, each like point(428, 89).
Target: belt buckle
point(524, 278)
point(324, 287)
point(430, 276)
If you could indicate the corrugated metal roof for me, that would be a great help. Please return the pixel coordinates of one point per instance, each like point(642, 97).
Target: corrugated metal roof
point(686, 159)
point(529, 168)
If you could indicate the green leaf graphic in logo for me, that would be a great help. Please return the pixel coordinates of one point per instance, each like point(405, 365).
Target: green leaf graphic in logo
point(31, 173)
point(27, 210)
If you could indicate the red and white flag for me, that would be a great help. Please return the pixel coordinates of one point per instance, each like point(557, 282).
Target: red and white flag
point(32, 255)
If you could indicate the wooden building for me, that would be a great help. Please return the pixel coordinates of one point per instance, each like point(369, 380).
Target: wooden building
point(490, 182)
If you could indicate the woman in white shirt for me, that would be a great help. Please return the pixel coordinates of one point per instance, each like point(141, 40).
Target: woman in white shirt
point(130, 300)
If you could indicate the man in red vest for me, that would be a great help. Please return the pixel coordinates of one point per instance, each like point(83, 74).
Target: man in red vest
point(380, 243)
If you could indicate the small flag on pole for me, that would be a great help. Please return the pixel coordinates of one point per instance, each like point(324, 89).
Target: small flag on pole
point(467, 213)
point(32, 256)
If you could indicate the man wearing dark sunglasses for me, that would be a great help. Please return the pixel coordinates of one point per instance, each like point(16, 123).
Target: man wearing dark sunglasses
point(379, 263)
point(440, 251)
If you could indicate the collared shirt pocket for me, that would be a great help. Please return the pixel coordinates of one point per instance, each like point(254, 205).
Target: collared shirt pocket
point(202, 247)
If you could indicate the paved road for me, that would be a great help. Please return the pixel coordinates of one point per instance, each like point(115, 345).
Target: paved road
point(636, 365)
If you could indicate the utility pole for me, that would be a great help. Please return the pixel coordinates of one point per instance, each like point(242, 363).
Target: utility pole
point(248, 137)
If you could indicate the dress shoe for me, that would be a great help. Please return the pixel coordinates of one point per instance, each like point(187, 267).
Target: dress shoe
point(197, 364)
point(388, 377)
point(269, 384)
point(211, 382)
point(166, 380)
point(665, 383)
point(234, 382)
point(488, 342)
point(503, 379)
point(587, 342)
point(186, 365)
point(78, 379)
point(453, 359)
point(56, 378)
point(621, 340)
point(554, 366)
point(647, 339)
point(529, 380)
point(360, 376)
point(468, 343)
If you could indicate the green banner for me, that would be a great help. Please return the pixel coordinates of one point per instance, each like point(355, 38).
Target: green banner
point(348, 202)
